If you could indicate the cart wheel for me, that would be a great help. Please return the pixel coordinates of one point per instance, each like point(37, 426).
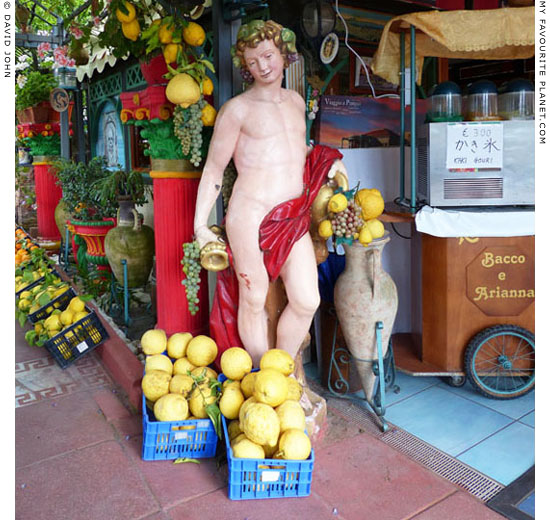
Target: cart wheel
point(500, 362)
point(455, 381)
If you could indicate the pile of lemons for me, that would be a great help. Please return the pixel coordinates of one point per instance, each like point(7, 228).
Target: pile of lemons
point(129, 22)
point(266, 419)
point(60, 320)
point(22, 281)
point(34, 299)
point(177, 383)
point(371, 204)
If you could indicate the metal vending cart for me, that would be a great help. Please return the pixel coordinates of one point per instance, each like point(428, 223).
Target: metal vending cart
point(472, 295)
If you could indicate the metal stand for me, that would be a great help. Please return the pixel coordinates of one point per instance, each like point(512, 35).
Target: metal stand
point(383, 368)
point(117, 288)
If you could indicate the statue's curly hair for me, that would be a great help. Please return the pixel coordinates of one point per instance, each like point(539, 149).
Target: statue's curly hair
point(251, 34)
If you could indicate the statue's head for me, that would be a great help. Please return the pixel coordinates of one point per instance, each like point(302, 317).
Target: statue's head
point(254, 32)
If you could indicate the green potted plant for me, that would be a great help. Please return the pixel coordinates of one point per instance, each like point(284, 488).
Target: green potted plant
point(87, 216)
point(32, 97)
point(130, 240)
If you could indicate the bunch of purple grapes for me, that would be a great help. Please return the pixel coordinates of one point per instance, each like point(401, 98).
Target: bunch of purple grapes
point(348, 222)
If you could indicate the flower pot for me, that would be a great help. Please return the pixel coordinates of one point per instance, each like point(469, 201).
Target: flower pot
point(93, 234)
point(132, 241)
point(39, 113)
point(154, 69)
point(363, 295)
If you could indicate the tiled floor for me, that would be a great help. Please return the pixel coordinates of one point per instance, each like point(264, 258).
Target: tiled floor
point(495, 437)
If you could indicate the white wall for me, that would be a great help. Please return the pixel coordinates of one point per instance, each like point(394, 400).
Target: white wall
point(379, 168)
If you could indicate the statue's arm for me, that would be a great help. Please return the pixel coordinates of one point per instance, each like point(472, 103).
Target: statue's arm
point(222, 145)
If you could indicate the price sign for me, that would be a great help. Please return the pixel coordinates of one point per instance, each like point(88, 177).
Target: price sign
point(474, 145)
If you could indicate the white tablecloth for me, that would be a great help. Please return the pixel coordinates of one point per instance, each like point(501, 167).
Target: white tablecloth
point(479, 222)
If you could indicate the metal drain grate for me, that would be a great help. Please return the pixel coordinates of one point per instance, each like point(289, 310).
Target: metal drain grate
point(451, 469)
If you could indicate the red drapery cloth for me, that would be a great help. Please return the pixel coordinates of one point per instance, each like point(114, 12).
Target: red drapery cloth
point(280, 229)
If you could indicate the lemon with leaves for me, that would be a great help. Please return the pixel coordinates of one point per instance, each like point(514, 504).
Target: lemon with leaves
point(131, 30)
point(170, 52)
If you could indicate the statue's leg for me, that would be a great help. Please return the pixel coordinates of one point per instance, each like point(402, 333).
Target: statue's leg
point(299, 275)
point(253, 286)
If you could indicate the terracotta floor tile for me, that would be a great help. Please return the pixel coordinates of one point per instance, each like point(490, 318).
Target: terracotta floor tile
point(95, 483)
point(172, 483)
point(459, 506)
point(217, 506)
point(54, 426)
point(363, 474)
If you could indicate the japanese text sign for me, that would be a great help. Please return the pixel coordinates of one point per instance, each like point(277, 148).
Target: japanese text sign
point(474, 145)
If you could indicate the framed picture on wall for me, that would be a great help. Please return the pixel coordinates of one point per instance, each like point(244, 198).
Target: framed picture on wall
point(358, 82)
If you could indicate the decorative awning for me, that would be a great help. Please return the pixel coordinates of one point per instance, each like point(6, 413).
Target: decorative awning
point(490, 34)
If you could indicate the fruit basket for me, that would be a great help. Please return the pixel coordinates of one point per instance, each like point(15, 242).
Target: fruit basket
point(77, 340)
point(34, 283)
point(166, 440)
point(267, 478)
point(57, 303)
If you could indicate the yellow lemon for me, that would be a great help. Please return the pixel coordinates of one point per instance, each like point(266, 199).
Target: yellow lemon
point(79, 315)
point(76, 304)
point(279, 360)
point(294, 389)
point(270, 387)
point(375, 227)
point(66, 317)
point(53, 322)
point(166, 33)
point(230, 383)
point(200, 398)
point(194, 34)
point(125, 18)
point(158, 362)
point(155, 384)
point(230, 402)
point(181, 384)
point(233, 429)
point(177, 344)
point(131, 30)
point(24, 305)
point(60, 291)
point(294, 444)
point(372, 204)
point(38, 327)
point(25, 295)
point(291, 415)
point(171, 407)
point(261, 424)
point(235, 363)
point(246, 449)
point(202, 351)
point(365, 236)
point(247, 384)
point(208, 115)
point(207, 86)
point(325, 229)
point(182, 365)
point(251, 400)
point(183, 90)
point(170, 52)
point(205, 372)
point(153, 341)
point(239, 437)
point(337, 203)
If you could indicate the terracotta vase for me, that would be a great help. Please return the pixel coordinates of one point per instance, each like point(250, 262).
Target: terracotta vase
point(363, 295)
point(132, 241)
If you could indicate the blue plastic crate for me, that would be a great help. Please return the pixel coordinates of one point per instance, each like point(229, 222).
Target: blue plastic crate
point(77, 340)
point(167, 440)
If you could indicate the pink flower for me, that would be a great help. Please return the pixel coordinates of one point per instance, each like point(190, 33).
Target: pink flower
point(43, 48)
point(60, 56)
point(71, 62)
point(76, 31)
point(96, 20)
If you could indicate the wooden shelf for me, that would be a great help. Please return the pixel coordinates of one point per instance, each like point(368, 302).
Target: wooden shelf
point(393, 212)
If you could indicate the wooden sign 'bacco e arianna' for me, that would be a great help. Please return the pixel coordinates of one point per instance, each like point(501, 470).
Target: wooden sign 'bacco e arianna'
point(501, 281)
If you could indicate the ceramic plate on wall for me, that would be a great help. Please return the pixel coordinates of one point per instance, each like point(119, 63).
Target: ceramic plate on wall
point(329, 48)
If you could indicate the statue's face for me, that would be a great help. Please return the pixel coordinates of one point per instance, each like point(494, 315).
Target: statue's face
point(265, 62)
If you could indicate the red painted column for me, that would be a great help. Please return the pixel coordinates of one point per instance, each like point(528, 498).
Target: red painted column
point(48, 195)
point(175, 188)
